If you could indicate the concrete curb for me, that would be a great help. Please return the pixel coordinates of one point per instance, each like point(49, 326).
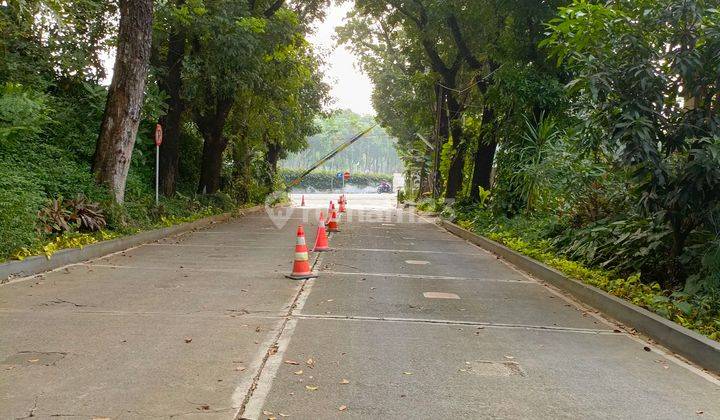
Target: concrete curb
point(687, 343)
point(40, 264)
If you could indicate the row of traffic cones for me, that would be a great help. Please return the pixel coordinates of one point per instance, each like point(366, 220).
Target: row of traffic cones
point(301, 265)
point(342, 201)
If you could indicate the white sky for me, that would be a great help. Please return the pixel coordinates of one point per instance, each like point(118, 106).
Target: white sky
point(351, 89)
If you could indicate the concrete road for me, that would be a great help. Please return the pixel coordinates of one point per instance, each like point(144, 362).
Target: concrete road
point(404, 321)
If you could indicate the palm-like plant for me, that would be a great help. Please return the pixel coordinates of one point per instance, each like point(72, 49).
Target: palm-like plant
point(530, 173)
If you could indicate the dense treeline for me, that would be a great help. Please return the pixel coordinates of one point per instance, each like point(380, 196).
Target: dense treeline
point(590, 130)
point(324, 180)
point(375, 152)
point(234, 83)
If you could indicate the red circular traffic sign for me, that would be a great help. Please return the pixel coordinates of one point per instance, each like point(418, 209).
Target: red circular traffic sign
point(158, 135)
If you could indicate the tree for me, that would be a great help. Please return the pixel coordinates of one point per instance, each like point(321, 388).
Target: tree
point(125, 97)
point(646, 77)
point(175, 17)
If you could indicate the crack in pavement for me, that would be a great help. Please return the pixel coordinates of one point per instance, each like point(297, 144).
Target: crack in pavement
point(274, 346)
point(57, 301)
point(31, 413)
point(465, 323)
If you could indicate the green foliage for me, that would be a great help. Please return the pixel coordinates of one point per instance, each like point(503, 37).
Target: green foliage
point(653, 109)
point(250, 55)
point(528, 166)
point(700, 312)
point(20, 200)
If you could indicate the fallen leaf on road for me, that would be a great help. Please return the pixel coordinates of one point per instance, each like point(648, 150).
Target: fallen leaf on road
point(311, 388)
point(188, 339)
point(310, 362)
point(344, 382)
point(204, 407)
point(342, 408)
point(699, 412)
point(273, 349)
point(240, 368)
point(298, 372)
point(257, 329)
point(407, 373)
point(292, 362)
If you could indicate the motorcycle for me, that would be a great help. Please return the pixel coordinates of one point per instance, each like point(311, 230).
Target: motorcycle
point(384, 188)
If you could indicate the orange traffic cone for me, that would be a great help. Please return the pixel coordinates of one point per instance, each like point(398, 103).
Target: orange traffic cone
point(342, 205)
point(332, 225)
point(321, 241)
point(302, 202)
point(330, 209)
point(301, 265)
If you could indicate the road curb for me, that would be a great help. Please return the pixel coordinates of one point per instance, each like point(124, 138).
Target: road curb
point(687, 343)
point(40, 264)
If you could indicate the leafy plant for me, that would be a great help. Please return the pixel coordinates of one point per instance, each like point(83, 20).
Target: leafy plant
point(529, 171)
point(700, 312)
point(54, 218)
point(655, 107)
point(85, 215)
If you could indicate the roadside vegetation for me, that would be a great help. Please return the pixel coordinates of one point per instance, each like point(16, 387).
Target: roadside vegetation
point(234, 84)
point(583, 134)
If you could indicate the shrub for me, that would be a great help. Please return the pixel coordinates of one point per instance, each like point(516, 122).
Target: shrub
point(699, 311)
point(19, 203)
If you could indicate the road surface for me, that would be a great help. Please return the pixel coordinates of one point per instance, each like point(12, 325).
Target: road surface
point(404, 321)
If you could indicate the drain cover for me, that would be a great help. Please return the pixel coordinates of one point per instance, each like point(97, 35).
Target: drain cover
point(490, 368)
point(440, 295)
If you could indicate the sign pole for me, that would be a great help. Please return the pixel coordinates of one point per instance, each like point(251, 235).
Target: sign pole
point(158, 142)
point(157, 175)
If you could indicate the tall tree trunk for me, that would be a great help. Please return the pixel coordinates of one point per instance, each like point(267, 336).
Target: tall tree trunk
point(482, 172)
point(457, 163)
point(115, 143)
point(273, 155)
point(442, 133)
point(211, 127)
point(211, 166)
point(484, 157)
point(241, 167)
point(172, 122)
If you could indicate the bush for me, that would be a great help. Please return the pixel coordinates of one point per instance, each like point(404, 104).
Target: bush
point(19, 203)
point(528, 235)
